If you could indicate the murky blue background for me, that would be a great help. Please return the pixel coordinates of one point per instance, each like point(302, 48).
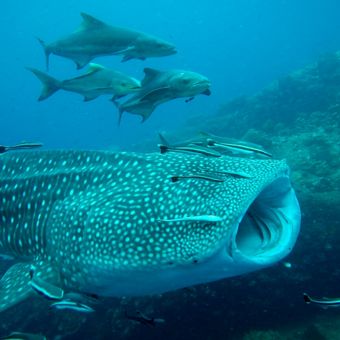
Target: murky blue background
point(240, 45)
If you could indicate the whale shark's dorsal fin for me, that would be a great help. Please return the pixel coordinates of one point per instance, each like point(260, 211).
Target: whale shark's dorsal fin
point(90, 22)
point(150, 74)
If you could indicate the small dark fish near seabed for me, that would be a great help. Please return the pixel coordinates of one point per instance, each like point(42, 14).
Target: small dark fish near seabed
point(323, 302)
point(20, 146)
point(71, 305)
point(143, 319)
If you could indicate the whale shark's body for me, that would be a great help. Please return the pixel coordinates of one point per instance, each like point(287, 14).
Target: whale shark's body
point(114, 224)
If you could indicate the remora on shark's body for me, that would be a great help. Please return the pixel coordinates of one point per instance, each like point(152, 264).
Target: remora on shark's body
point(216, 144)
point(95, 38)
point(115, 224)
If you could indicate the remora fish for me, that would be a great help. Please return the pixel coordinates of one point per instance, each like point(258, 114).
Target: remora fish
point(20, 146)
point(162, 86)
point(98, 80)
point(323, 303)
point(220, 144)
point(23, 336)
point(199, 140)
point(190, 148)
point(71, 305)
point(143, 319)
point(90, 222)
point(233, 145)
point(95, 38)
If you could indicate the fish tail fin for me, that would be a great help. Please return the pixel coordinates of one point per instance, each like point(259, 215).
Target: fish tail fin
point(50, 84)
point(46, 51)
point(120, 115)
point(163, 140)
point(307, 298)
point(120, 109)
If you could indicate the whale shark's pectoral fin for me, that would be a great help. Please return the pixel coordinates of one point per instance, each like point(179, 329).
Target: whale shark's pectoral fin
point(20, 281)
point(14, 285)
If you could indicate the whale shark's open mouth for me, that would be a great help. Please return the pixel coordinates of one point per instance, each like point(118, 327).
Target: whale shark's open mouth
point(269, 227)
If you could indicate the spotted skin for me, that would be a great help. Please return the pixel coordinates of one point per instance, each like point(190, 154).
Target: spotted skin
point(92, 221)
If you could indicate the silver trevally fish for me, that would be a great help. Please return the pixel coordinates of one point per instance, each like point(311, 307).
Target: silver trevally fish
point(95, 38)
point(115, 224)
point(98, 80)
point(161, 86)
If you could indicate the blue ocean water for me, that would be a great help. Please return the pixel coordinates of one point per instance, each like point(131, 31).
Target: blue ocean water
point(240, 46)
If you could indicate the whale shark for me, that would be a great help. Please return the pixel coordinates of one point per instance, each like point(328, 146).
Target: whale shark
point(95, 38)
point(116, 224)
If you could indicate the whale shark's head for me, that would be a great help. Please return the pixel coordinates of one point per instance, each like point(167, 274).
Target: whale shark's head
point(149, 234)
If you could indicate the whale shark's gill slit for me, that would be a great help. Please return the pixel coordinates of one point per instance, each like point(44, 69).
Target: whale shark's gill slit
point(260, 227)
point(268, 222)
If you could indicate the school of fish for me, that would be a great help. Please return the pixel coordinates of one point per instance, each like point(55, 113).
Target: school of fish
point(95, 38)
